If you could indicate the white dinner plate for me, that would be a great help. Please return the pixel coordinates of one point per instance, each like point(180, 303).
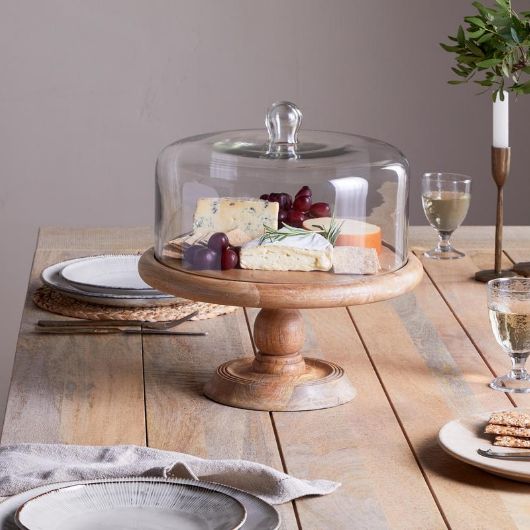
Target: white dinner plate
point(461, 439)
point(102, 274)
point(260, 515)
point(51, 276)
point(130, 504)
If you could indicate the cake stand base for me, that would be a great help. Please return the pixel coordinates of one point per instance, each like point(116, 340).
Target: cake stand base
point(322, 385)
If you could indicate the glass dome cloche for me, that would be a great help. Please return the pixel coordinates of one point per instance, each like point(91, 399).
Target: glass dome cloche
point(264, 203)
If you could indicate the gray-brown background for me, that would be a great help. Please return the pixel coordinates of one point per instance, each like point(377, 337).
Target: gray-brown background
point(91, 90)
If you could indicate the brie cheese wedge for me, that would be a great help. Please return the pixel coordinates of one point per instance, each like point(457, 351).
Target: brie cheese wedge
point(310, 252)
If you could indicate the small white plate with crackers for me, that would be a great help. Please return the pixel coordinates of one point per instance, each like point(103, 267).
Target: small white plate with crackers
point(508, 431)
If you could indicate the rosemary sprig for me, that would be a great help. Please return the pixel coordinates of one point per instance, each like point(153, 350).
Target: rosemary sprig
point(331, 233)
point(272, 235)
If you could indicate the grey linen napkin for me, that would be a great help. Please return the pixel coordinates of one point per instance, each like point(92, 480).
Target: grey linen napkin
point(26, 466)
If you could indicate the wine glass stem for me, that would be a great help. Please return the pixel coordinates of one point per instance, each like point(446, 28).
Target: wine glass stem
point(444, 243)
point(518, 370)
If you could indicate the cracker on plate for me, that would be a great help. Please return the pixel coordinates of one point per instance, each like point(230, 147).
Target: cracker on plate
point(512, 441)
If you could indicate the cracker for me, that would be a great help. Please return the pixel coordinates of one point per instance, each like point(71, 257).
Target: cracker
point(512, 441)
point(512, 417)
point(506, 430)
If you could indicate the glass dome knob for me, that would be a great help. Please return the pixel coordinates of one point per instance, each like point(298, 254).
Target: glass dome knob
point(283, 121)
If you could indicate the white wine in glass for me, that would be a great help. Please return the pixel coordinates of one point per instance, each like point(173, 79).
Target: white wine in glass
point(445, 199)
point(509, 310)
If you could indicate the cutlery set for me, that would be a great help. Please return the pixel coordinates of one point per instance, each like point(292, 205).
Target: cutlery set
point(106, 327)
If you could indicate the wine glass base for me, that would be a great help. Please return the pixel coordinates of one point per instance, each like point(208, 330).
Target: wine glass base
point(506, 383)
point(437, 253)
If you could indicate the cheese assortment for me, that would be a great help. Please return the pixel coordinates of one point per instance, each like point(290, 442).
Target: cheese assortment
point(243, 233)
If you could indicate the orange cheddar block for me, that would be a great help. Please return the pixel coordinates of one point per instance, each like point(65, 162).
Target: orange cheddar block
point(353, 233)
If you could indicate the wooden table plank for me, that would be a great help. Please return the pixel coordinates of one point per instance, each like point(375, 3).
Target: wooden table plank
point(180, 418)
point(68, 390)
point(359, 444)
point(432, 374)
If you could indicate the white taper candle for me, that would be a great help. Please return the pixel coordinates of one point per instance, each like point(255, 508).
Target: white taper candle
point(500, 121)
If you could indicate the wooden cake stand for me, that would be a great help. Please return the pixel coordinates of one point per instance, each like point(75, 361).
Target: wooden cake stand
point(279, 378)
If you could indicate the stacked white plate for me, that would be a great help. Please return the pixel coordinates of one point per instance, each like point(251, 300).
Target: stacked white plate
point(137, 503)
point(107, 280)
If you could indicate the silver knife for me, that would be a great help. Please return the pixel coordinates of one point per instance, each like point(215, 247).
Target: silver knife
point(110, 331)
point(506, 455)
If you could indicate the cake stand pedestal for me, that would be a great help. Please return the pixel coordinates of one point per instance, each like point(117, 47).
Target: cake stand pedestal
point(278, 377)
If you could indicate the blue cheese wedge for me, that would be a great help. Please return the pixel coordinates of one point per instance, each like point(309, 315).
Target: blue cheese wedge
point(226, 213)
point(310, 252)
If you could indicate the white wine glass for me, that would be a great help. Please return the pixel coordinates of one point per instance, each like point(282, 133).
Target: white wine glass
point(445, 198)
point(509, 310)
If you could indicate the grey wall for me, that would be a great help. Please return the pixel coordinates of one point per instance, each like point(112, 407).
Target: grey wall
point(91, 90)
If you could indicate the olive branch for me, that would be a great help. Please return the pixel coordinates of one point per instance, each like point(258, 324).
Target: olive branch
point(492, 50)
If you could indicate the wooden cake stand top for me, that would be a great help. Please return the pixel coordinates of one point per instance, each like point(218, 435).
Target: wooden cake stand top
point(278, 290)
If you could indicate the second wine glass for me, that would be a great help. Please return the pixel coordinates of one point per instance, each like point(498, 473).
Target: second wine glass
point(445, 198)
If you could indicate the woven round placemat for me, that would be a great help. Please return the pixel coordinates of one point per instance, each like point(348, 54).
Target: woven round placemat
point(56, 302)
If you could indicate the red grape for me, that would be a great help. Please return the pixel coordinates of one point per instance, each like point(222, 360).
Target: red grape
point(189, 254)
point(320, 209)
point(264, 197)
point(229, 259)
point(218, 241)
point(286, 202)
point(205, 259)
point(302, 203)
point(282, 216)
point(305, 191)
point(295, 218)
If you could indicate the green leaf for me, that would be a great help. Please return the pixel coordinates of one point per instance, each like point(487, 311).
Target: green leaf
point(486, 37)
point(476, 34)
point(455, 82)
point(514, 35)
point(474, 48)
point(486, 12)
point(477, 21)
point(459, 73)
point(487, 63)
point(448, 48)
point(467, 59)
point(503, 3)
point(505, 70)
point(461, 36)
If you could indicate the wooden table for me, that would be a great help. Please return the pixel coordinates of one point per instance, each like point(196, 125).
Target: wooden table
point(417, 362)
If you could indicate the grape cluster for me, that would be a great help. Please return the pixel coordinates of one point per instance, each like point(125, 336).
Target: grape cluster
point(295, 212)
point(217, 254)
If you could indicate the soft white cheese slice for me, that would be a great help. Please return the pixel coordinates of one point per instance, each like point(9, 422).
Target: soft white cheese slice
point(310, 252)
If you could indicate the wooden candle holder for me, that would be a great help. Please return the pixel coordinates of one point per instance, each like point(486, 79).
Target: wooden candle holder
point(278, 377)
